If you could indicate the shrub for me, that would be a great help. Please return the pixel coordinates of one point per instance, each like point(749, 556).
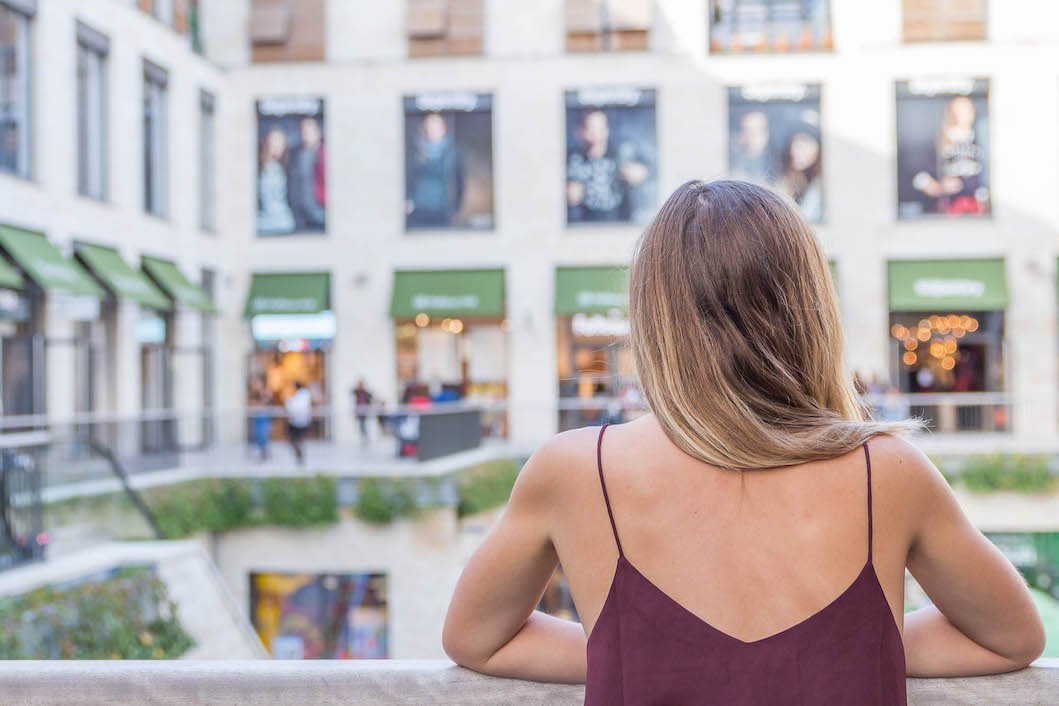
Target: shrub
point(1014, 472)
point(127, 615)
point(381, 502)
point(299, 502)
point(486, 486)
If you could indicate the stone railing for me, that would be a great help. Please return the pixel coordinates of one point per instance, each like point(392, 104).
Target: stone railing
point(278, 683)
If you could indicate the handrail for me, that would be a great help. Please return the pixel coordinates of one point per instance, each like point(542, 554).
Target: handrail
point(282, 682)
point(123, 478)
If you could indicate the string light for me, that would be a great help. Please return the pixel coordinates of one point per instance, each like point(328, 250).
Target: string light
point(942, 332)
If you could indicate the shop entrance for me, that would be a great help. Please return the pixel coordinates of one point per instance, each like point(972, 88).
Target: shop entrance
point(596, 381)
point(279, 367)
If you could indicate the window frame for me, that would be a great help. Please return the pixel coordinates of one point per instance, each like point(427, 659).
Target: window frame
point(90, 42)
point(207, 162)
point(23, 12)
point(155, 97)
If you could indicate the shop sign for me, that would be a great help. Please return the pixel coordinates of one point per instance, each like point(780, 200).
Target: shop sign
point(78, 307)
point(940, 288)
point(435, 302)
point(286, 327)
point(598, 325)
point(601, 300)
point(13, 306)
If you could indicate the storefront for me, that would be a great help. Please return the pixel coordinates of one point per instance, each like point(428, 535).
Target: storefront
point(452, 340)
point(596, 380)
point(162, 350)
point(947, 341)
point(121, 282)
point(293, 329)
point(41, 269)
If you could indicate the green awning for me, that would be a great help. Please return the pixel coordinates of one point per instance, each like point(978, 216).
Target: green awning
point(120, 278)
point(448, 293)
point(10, 278)
point(44, 264)
point(589, 290)
point(173, 282)
point(288, 293)
point(947, 285)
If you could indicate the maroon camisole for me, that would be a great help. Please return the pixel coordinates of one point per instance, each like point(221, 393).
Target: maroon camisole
point(646, 648)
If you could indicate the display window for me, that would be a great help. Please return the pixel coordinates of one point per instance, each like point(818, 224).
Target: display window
point(595, 367)
point(321, 616)
point(947, 343)
point(448, 161)
point(943, 148)
point(611, 155)
point(451, 341)
point(774, 138)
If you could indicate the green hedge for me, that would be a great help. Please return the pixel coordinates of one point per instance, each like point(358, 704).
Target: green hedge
point(486, 486)
point(1025, 473)
point(127, 615)
point(381, 501)
point(219, 505)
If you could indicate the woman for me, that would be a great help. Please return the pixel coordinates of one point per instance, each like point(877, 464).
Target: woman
point(260, 414)
point(801, 165)
point(274, 214)
point(746, 541)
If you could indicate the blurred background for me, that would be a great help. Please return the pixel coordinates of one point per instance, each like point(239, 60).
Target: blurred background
point(289, 289)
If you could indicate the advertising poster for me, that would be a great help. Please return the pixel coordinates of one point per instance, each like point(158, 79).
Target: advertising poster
point(943, 148)
point(611, 155)
point(448, 161)
point(320, 616)
point(291, 166)
point(761, 26)
point(774, 139)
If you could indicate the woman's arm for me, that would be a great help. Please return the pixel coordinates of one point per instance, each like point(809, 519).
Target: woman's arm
point(491, 625)
point(983, 620)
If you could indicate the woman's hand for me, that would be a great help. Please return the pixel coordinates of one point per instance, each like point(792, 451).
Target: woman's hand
point(491, 626)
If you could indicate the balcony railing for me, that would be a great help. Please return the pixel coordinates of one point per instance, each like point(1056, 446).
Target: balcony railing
point(190, 683)
point(948, 412)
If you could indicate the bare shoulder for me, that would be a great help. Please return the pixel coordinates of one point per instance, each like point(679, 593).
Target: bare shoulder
point(901, 467)
point(559, 464)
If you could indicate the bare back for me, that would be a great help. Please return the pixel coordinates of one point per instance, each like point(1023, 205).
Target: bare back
point(751, 553)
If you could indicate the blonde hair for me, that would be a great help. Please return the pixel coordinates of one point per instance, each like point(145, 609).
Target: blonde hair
point(736, 333)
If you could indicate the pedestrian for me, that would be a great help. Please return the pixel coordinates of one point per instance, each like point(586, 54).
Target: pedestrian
point(299, 408)
point(260, 415)
point(362, 399)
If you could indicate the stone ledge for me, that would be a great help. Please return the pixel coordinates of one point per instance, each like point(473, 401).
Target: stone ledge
point(279, 683)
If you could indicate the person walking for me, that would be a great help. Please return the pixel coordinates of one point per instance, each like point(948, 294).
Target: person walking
point(362, 399)
point(260, 415)
point(744, 542)
point(299, 408)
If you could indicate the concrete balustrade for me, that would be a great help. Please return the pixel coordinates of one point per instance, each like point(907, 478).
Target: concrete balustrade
point(278, 683)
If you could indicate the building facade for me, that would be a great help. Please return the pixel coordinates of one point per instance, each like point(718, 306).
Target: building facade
point(439, 197)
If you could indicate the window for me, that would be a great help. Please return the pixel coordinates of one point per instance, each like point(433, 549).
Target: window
point(944, 20)
point(287, 30)
point(759, 26)
point(155, 185)
point(15, 109)
point(206, 162)
point(608, 25)
point(444, 27)
point(92, 50)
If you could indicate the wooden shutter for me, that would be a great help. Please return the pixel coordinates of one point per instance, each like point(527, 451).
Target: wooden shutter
point(287, 30)
point(465, 27)
point(584, 25)
point(180, 15)
point(945, 20)
point(630, 15)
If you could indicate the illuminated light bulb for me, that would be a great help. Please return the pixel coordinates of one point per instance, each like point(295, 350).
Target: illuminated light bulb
point(898, 331)
point(923, 334)
point(937, 349)
point(911, 344)
point(909, 358)
point(952, 320)
point(950, 346)
point(422, 320)
point(455, 326)
point(948, 362)
point(972, 325)
point(924, 323)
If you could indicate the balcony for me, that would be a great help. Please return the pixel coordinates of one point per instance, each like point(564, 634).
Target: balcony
point(188, 683)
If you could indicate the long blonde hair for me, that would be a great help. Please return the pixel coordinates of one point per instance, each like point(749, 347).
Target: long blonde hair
point(736, 333)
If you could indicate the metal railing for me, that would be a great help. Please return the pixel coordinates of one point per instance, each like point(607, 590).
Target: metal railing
point(948, 412)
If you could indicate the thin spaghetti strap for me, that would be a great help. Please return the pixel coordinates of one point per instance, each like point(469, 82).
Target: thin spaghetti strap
point(867, 461)
point(606, 498)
